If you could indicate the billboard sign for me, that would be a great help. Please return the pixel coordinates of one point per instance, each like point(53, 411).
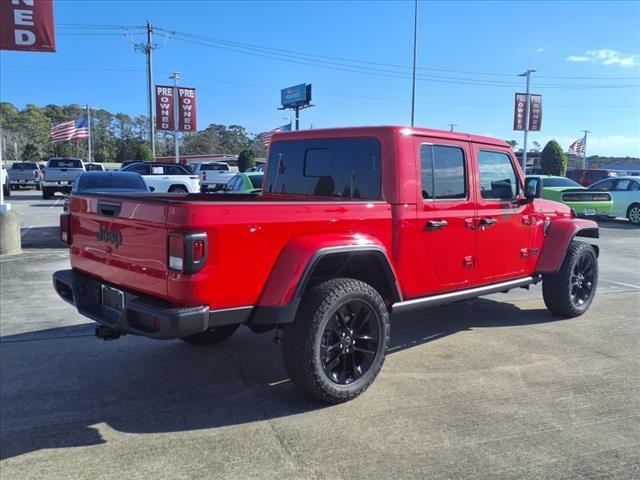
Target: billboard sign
point(165, 108)
point(27, 25)
point(535, 112)
point(295, 96)
point(519, 111)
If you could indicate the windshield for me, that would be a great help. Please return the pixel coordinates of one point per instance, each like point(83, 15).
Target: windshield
point(559, 182)
point(65, 163)
point(110, 181)
point(333, 167)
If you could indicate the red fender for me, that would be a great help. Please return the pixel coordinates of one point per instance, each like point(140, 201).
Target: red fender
point(557, 239)
point(300, 254)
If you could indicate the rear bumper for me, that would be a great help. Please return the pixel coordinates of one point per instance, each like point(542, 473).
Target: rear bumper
point(141, 314)
point(57, 184)
point(28, 182)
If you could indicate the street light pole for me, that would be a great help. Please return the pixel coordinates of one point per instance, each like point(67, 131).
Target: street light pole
point(584, 151)
point(526, 119)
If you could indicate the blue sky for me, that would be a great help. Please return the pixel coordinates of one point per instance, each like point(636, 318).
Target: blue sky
point(586, 43)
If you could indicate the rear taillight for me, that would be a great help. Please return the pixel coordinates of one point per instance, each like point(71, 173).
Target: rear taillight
point(43, 174)
point(601, 197)
point(35, 174)
point(65, 228)
point(187, 252)
point(572, 198)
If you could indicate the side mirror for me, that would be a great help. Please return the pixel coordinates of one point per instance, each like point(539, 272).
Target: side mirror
point(532, 188)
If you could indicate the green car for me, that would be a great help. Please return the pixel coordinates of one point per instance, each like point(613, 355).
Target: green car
point(583, 201)
point(248, 182)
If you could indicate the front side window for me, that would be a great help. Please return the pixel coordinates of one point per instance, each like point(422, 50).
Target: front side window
point(497, 177)
point(141, 168)
point(442, 172)
point(330, 167)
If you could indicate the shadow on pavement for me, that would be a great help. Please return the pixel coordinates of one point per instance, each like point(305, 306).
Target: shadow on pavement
point(59, 387)
point(41, 237)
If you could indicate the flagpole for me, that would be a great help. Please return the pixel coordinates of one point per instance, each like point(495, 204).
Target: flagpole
point(89, 129)
point(584, 149)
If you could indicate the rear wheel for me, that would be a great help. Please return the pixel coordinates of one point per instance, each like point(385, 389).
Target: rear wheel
point(211, 336)
point(178, 189)
point(570, 291)
point(47, 193)
point(633, 213)
point(38, 187)
point(337, 343)
point(6, 190)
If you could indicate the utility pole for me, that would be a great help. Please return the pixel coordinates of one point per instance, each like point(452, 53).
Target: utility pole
point(584, 151)
point(415, 50)
point(89, 144)
point(526, 119)
point(451, 125)
point(175, 77)
point(149, 53)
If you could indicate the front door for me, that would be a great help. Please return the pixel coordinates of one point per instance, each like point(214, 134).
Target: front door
point(502, 221)
point(446, 214)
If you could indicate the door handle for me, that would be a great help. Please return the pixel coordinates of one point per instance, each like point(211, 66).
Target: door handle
point(435, 224)
point(487, 222)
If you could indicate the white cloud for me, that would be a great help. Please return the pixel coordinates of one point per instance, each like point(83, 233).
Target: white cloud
point(577, 58)
point(606, 56)
point(536, 50)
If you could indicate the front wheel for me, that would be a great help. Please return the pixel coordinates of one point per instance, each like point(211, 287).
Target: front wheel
point(178, 189)
point(570, 291)
point(337, 343)
point(633, 213)
point(6, 190)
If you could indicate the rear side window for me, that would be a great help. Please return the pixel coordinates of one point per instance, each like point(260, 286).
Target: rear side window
point(64, 163)
point(335, 167)
point(443, 172)
point(175, 170)
point(497, 177)
point(603, 186)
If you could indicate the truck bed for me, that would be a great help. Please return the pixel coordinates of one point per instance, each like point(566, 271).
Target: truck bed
point(243, 241)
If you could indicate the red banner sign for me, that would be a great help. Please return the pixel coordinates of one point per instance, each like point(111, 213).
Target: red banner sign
point(165, 108)
point(27, 25)
point(535, 112)
point(519, 111)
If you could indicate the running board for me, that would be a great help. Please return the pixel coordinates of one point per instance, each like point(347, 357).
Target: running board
point(460, 295)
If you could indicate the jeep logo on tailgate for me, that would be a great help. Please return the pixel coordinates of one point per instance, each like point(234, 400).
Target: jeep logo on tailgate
point(113, 237)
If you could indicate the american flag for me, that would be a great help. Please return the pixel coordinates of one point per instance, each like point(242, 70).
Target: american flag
point(69, 130)
point(577, 146)
point(265, 137)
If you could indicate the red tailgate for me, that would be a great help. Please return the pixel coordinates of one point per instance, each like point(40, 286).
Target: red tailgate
point(121, 241)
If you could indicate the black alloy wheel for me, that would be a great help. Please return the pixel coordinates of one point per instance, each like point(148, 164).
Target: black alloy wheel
point(349, 342)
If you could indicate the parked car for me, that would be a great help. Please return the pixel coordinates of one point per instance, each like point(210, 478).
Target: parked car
point(586, 177)
point(24, 174)
point(625, 192)
point(4, 179)
point(213, 175)
point(166, 177)
point(347, 231)
point(59, 175)
point(94, 167)
point(107, 182)
point(582, 200)
point(247, 183)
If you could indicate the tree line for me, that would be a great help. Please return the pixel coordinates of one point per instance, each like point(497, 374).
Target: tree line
point(26, 135)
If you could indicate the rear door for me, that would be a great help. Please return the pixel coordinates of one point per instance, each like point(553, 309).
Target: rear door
point(446, 213)
point(121, 241)
point(503, 223)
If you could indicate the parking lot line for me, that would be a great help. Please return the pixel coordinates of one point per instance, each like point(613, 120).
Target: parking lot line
point(630, 285)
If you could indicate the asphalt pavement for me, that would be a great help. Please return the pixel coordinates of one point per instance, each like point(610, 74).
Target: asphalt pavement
point(492, 388)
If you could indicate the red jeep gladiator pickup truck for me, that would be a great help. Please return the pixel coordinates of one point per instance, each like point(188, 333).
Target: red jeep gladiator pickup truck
point(353, 224)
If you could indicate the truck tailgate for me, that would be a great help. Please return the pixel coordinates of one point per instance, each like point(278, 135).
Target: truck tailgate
point(121, 241)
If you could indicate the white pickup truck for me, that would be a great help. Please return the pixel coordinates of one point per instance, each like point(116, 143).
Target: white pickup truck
point(166, 177)
point(213, 175)
point(59, 175)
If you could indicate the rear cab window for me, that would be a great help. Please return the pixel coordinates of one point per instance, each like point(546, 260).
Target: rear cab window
point(332, 167)
point(24, 166)
point(65, 163)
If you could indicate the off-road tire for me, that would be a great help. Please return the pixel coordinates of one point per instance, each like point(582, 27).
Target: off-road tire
point(557, 287)
point(633, 213)
point(301, 342)
point(211, 336)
